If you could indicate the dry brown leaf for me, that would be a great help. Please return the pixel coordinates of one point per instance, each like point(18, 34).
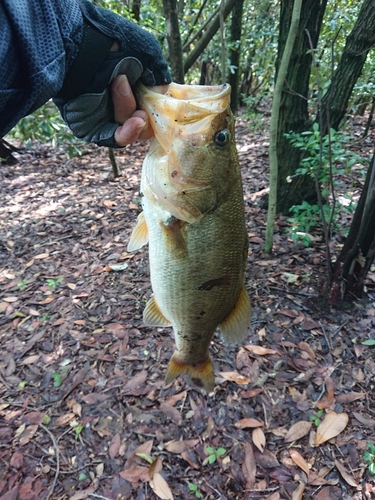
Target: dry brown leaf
point(248, 422)
point(135, 474)
point(305, 347)
point(298, 431)
point(350, 397)
point(155, 467)
point(298, 492)
point(300, 461)
point(249, 466)
point(329, 493)
point(274, 496)
point(257, 349)
point(65, 419)
point(181, 446)
point(259, 439)
point(81, 495)
point(345, 474)
point(114, 447)
point(328, 400)
point(235, 377)
point(28, 434)
point(332, 425)
point(160, 487)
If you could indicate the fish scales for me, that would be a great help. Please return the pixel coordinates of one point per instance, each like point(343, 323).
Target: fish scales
point(193, 219)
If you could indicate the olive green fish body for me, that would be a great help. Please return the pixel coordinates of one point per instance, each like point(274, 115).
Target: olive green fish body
point(193, 219)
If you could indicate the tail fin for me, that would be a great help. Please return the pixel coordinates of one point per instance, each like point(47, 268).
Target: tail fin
point(201, 374)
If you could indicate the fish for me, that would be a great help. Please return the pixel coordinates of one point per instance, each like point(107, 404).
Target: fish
point(193, 220)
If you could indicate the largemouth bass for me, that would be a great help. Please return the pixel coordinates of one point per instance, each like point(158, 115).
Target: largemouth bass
point(193, 219)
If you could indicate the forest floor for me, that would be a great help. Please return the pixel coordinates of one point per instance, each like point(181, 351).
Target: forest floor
point(84, 411)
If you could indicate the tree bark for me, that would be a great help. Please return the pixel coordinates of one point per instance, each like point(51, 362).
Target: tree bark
point(357, 254)
point(358, 44)
point(207, 36)
point(174, 40)
point(235, 38)
point(294, 101)
point(136, 9)
point(283, 68)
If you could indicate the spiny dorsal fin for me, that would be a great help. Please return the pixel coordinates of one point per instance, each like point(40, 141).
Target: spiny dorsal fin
point(152, 316)
point(139, 236)
point(236, 326)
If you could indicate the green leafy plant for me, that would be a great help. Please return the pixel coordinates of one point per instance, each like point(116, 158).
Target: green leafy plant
point(22, 284)
point(194, 488)
point(327, 158)
point(53, 283)
point(45, 316)
point(316, 418)
point(46, 125)
point(214, 454)
point(369, 457)
point(78, 430)
point(57, 380)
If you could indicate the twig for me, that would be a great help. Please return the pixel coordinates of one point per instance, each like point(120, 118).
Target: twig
point(57, 451)
point(215, 490)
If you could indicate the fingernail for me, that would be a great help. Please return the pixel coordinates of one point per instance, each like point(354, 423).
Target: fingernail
point(122, 86)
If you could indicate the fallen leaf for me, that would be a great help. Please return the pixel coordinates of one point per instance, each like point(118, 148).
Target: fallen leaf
point(181, 446)
point(156, 466)
point(298, 431)
point(41, 256)
point(235, 377)
point(248, 422)
point(160, 487)
point(367, 421)
point(350, 397)
point(259, 439)
point(114, 447)
point(171, 413)
point(10, 299)
point(300, 461)
point(332, 425)
point(65, 419)
point(249, 466)
point(257, 349)
point(28, 434)
point(329, 493)
point(298, 492)
point(81, 495)
point(345, 474)
point(135, 474)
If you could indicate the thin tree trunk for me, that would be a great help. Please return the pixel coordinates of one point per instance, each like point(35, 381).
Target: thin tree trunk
point(174, 40)
point(283, 68)
point(235, 38)
point(357, 254)
point(116, 169)
point(207, 36)
point(358, 44)
point(294, 113)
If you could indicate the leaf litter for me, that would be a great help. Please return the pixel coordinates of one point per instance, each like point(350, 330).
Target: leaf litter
point(84, 412)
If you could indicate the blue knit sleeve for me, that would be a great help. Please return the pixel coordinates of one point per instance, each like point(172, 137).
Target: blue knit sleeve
point(39, 40)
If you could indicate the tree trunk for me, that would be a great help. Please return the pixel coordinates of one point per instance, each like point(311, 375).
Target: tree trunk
point(281, 74)
point(136, 9)
point(294, 102)
point(235, 38)
point(357, 254)
point(6, 150)
point(207, 35)
point(174, 40)
point(358, 44)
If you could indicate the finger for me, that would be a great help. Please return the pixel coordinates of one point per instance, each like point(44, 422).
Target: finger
point(123, 99)
point(135, 128)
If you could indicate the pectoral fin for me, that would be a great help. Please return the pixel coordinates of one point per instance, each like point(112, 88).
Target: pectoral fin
point(174, 235)
point(152, 316)
point(235, 327)
point(201, 374)
point(139, 236)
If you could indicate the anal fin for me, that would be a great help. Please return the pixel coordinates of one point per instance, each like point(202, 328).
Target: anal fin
point(139, 236)
point(236, 326)
point(152, 316)
point(201, 374)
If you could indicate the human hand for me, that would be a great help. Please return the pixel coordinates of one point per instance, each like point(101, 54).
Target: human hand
point(104, 110)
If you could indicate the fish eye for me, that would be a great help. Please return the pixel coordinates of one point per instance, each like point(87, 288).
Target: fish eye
point(222, 138)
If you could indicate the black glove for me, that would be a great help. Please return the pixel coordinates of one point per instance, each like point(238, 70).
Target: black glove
point(85, 101)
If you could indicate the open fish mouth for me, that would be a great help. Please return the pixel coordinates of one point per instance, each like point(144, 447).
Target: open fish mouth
point(183, 120)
